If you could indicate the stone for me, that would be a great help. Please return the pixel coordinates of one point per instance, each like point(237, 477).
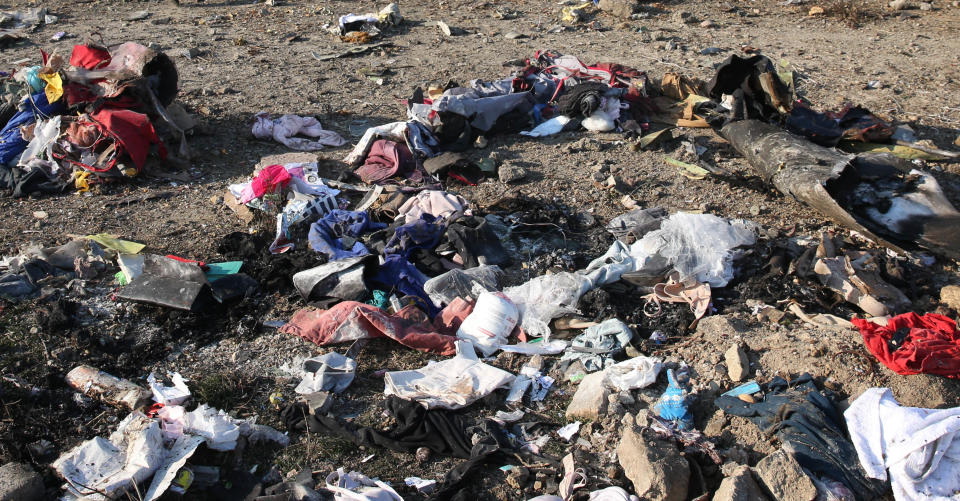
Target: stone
point(684, 17)
point(139, 15)
point(590, 400)
point(926, 6)
point(188, 52)
point(898, 5)
point(18, 482)
point(513, 35)
point(517, 477)
point(509, 172)
point(950, 296)
point(619, 8)
point(738, 366)
point(708, 24)
point(739, 486)
point(657, 469)
point(784, 478)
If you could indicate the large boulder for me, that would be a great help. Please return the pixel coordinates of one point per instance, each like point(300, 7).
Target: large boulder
point(656, 467)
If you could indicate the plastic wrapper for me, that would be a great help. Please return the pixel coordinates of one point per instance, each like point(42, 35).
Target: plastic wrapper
point(329, 372)
point(101, 469)
point(638, 372)
point(466, 284)
point(453, 383)
point(169, 395)
point(636, 223)
point(546, 297)
point(700, 246)
point(216, 427)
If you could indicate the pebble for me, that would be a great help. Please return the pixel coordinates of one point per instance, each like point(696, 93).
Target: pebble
point(926, 6)
point(39, 214)
point(898, 4)
point(754, 210)
point(513, 35)
point(708, 24)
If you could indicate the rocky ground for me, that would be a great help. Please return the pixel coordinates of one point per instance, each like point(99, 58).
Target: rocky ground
point(236, 59)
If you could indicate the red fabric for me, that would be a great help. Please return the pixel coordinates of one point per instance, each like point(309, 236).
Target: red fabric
point(269, 179)
point(385, 159)
point(134, 132)
point(91, 58)
point(350, 320)
point(201, 264)
point(932, 345)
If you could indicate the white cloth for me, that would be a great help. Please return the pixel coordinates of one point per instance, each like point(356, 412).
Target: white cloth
point(451, 384)
point(920, 447)
point(284, 129)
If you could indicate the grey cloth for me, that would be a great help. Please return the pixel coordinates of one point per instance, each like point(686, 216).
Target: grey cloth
point(483, 112)
point(421, 139)
point(330, 372)
point(597, 345)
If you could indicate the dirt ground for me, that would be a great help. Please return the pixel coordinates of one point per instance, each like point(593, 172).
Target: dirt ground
point(253, 57)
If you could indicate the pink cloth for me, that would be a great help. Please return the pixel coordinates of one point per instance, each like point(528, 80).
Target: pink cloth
point(437, 203)
point(350, 320)
point(266, 181)
point(284, 129)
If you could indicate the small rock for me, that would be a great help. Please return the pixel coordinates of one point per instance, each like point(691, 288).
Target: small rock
point(738, 366)
point(590, 400)
point(950, 296)
point(708, 24)
point(710, 51)
point(754, 210)
point(784, 478)
point(139, 15)
point(423, 454)
point(656, 467)
point(684, 17)
point(626, 398)
point(18, 482)
point(926, 6)
point(619, 8)
point(509, 173)
point(898, 5)
point(188, 52)
point(444, 28)
point(513, 35)
point(612, 472)
point(816, 10)
point(739, 486)
point(39, 214)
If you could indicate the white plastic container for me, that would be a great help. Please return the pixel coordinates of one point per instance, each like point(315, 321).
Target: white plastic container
point(490, 323)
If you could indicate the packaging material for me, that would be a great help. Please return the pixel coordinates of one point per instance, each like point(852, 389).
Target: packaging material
point(170, 283)
point(423, 485)
point(174, 459)
point(634, 373)
point(101, 469)
point(453, 383)
point(355, 486)
point(568, 431)
point(537, 347)
point(466, 284)
point(490, 323)
point(917, 449)
point(330, 372)
point(113, 390)
point(700, 246)
point(169, 395)
point(596, 347)
point(543, 298)
point(530, 378)
point(215, 426)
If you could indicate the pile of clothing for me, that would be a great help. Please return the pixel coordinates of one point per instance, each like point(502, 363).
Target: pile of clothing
point(85, 120)
point(549, 93)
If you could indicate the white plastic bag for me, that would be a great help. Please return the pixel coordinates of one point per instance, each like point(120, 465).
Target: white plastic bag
point(216, 427)
point(453, 383)
point(546, 297)
point(700, 246)
point(490, 323)
point(638, 372)
point(465, 284)
point(329, 372)
point(355, 486)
